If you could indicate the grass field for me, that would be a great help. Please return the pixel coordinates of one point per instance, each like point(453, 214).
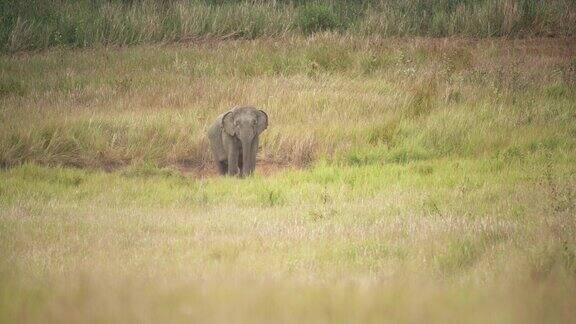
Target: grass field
point(400, 180)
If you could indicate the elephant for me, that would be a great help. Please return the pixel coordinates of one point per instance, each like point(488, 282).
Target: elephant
point(234, 138)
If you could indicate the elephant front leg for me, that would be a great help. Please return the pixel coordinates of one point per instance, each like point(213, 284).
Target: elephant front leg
point(222, 167)
point(232, 148)
point(240, 164)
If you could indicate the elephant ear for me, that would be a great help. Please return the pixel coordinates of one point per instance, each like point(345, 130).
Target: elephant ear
point(228, 123)
point(262, 123)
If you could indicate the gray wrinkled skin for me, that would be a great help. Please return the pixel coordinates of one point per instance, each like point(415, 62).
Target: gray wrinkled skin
point(234, 139)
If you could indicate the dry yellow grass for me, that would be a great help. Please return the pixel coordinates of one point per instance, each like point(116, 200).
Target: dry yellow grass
point(437, 183)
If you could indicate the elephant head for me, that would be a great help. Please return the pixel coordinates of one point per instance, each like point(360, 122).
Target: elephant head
point(245, 124)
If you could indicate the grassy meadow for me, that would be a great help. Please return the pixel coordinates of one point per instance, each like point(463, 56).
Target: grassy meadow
point(401, 179)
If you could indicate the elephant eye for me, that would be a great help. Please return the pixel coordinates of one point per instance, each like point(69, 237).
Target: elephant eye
point(236, 123)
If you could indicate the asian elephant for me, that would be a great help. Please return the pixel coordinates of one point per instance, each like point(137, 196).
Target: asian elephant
point(234, 139)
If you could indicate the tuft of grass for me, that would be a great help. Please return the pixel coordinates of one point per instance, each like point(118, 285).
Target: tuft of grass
point(328, 58)
point(423, 98)
point(384, 132)
point(11, 87)
point(558, 91)
point(271, 197)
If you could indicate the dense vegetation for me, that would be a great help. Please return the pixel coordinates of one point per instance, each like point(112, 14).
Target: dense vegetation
point(39, 24)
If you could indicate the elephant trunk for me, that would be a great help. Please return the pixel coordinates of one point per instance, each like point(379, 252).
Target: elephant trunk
point(246, 159)
point(246, 135)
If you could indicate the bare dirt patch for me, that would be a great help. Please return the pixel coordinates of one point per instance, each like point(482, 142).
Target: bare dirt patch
point(208, 170)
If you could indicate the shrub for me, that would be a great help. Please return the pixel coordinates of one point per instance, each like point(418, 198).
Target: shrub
point(316, 17)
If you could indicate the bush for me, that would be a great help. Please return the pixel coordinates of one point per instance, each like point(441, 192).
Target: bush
point(316, 17)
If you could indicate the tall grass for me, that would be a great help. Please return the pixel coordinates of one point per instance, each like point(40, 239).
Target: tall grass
point(39, 24)
point(348, 100)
